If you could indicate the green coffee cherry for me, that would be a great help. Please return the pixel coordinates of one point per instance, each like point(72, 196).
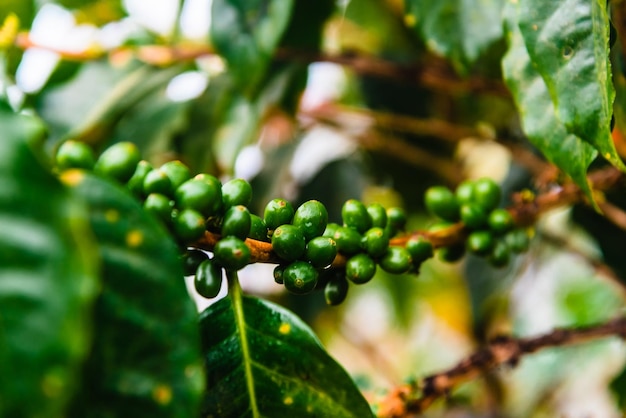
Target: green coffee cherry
point(311, 217)
point(231, 253)
point(500, 255)
point(473, 216)
point(236, 192)
point(375, 242)
point(118, 162)
point(321, 251)
point(189, 225)
point(191, 259)
point(441, 202)
point(378, 215)
point(279, 271)
point(330, 230)
point(277, 212)
point(135, 183)
point(487, 193)
point(355, 215)
point(156, 181)
point(208, 280)
point(360, 268)
point(75, 154)
point(236, 222)
point(160, 206)
point(396, 220)
point(517, 240)
point(177, 172)
point(480, 242)
point(300, 277)
point(258, 229)
point(420, 249)
point(336, 291)
point(202, 196)
point(348, 240)
point(396, 260)
point(464, 193)
point(288, 242)
point(452, 254)
point(500, 221)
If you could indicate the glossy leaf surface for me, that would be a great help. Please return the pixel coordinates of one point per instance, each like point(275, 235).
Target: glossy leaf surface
point(263, 361)
point(568, 42)
point(146, 352)
point(47, 280)
point(537, 111)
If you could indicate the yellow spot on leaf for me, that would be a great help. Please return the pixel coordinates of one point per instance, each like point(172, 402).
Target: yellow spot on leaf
point(284, 328)
point(134, 238)
point(162, 394)
point(72, 177)
point(112, 216)
point(607, 156)
point(288, 400)
point(410, 20)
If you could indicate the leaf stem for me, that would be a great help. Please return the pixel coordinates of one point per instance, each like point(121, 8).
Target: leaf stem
point(237, 299)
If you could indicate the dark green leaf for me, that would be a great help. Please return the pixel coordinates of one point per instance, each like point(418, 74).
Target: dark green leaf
point(263, 361)
point(539, 119)
point(460, 30)
point(23, 9)
point(568, 42)
point(618, 386)
point(145, 360)
point(47, 280)
point(246, 33)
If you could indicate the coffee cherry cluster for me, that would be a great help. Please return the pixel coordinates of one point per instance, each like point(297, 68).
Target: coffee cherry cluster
point(311, 253)
point(491, 231)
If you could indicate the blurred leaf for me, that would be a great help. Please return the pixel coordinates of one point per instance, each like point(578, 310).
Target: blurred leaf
point(145, 360)
point(47, 280)
point(88, 108)
point(307, 23)
point(24, 9)
point(618, 387)
point(264, 361)
point(370, 26)
point(460, 30)
point(568, 43)
point(97, 12)
point(247, 33)
point(538, 114)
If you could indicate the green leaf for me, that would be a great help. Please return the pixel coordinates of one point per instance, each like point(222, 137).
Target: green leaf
point(460, 30)
point(47, 280)
point(538, 114)
point(23, 9)
point(247, 32)
point(145, 360)
point(568, 43)
point(263, 361)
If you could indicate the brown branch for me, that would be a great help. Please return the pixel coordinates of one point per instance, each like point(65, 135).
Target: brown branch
point(413, 399)
point(437, 74)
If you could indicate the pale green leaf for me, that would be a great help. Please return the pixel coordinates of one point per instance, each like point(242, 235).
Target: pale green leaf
point(538, 114)
point(460, 30)
point(568, 43)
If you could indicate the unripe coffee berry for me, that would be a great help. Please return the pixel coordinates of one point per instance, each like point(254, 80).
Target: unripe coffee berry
point(277, 212)
point(321, 251)
point(208, 280)
point(336, 291)
point(189, 225)
point(375, 242)
point(311, 217)
point(202, 196)
point(441, 202)
point(354, 215)
point(300, 277)
point(378, 215)
point(480, 242)
point(500, 221)
point(487, 193)
point(236, 192)
point(75, 154)
point(231, 253)
point(177, 172)
point(360, 268)
point(236, 222)
point(288, 242)
point(118, 161)
point(396, 260)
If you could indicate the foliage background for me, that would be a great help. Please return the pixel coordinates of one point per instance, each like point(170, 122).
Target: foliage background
point(376, 100)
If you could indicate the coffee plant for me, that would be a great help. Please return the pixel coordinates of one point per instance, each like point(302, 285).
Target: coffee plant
point(324, 208)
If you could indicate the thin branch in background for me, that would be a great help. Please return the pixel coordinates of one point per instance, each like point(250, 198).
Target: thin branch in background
point(408, 400)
